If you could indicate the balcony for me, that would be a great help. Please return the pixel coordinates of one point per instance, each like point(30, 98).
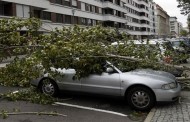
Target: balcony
point(109, 17)
point(108, 4)
point(114, 24)
point(36, 3)
point(114, 12)
point(117, 2)
point(145, 2)
point(145, 23)
point(144, 18)
point(144, 10)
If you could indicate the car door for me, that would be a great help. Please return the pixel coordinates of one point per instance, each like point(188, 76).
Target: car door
point(106, 83)
point(66, 81)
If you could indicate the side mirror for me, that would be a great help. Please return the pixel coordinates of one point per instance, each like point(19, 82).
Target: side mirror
point(109, 70)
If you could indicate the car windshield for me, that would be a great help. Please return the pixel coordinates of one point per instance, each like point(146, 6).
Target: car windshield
point(166, 46)
point(123, 65)
point(179, 43)
point(176, 43)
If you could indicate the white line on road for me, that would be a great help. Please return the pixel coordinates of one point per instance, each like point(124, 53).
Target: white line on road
point(15, 92)
point(3, 65)
point(89, 108)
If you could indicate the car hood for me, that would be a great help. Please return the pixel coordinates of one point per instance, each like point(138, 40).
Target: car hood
point(153, 74)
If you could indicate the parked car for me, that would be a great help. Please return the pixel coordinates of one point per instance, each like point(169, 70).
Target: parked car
point(182, 48)
point(186, 41)
point(163, 46)
point(179, 44)
point(141, 88)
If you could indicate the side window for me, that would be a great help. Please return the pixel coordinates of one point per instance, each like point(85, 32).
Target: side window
point(109, 69)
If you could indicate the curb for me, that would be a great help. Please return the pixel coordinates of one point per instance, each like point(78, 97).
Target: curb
point(3, 65)
point(150, 115)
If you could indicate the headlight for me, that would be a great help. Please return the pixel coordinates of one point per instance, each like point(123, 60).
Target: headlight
point(169, 86)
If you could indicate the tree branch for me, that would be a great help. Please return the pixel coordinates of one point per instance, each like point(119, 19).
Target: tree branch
point(34, 113)
point(139, 60)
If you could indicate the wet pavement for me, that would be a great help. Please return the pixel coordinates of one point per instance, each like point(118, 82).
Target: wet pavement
point(178, 111)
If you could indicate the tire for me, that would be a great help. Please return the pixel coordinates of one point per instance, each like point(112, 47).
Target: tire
point(48, 87)
point(140, 98)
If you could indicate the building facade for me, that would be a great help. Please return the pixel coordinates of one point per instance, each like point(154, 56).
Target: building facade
point(163, 25)
point(135, 17)
point(180, 27)
point(175, 27)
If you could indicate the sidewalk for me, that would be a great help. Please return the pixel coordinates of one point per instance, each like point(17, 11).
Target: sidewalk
point(8, 60)
point(12, 58)
point(172, 112)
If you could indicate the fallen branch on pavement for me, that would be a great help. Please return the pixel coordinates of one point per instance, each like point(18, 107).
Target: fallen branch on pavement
point(183, 78)
point(6, 114)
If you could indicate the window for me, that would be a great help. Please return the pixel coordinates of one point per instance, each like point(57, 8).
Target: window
point(74, 3)
point(6, 8)
point(100, 10)
point(89, 22)
point(75, 20)
point(67, 19)
point(83, 21)
point(93, 9)
point(46, 15)
point(87, 7)
point(67, 3)
point(37, 13)
point(21, 10)
point(83, 6)
point(93, 22)
point(1, 9)
point(59, 1)
point(59, 18)
point(97, 9)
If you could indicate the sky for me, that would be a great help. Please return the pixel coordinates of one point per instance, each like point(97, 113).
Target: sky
point(170, 6)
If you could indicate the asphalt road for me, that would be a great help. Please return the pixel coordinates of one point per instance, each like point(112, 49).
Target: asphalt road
point(72, 114)
point(82, 108)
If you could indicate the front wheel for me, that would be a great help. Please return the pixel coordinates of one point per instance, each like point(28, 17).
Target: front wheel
point(140, 98)
point(48, 87)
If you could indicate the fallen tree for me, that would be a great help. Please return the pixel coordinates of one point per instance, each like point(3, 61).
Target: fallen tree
point(84, 49)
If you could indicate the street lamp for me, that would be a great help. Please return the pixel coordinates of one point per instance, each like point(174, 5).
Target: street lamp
point(73, 13)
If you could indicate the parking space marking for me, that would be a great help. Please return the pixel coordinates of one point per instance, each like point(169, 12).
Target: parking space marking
point(15, 92)
point(90, 108)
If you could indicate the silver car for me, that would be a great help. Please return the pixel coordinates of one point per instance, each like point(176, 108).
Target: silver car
point(141, 88)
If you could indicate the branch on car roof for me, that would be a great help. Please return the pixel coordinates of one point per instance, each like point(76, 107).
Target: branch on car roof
point(159, 63)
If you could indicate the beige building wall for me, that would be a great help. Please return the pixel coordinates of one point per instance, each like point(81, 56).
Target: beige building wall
point(163, 25)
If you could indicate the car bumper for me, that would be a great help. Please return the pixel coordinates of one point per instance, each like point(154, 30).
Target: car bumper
point(167, 95)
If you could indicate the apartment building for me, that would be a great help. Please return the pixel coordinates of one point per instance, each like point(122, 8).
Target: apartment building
point(135, 17)
point(153, 19)
point(163, 25)
point(140, 18)
point(175, 27)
